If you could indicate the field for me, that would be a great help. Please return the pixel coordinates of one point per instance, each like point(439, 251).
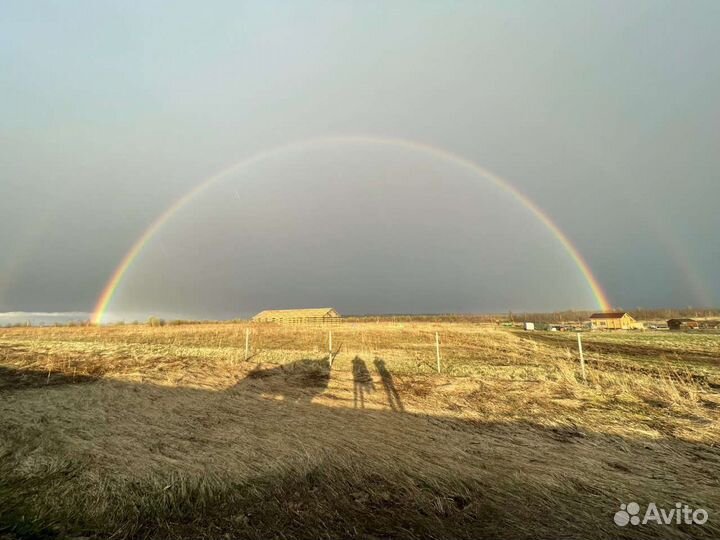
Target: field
point(169, 432)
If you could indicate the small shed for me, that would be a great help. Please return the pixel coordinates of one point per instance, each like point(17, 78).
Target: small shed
point(299, 316)
point(683, 324)
point(613, 321)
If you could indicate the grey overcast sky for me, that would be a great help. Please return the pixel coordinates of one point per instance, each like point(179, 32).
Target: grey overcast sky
point(605, 114)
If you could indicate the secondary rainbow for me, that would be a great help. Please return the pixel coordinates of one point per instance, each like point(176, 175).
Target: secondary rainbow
point(127, 261)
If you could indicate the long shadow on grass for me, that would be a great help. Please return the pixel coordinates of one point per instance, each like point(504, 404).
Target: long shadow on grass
point(391, 392)
point(303, 379)
point(362, 382)
point(262, 460)
point(18, 379)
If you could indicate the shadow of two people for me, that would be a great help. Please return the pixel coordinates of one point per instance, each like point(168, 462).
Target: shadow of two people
point(233, 428)
point(301, 380)
point(363, 383)
point(307, 378)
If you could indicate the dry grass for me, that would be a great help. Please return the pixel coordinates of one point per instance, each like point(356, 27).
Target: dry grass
point(135, 431)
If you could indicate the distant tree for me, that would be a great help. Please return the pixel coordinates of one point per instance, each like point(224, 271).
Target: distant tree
point(155, 321)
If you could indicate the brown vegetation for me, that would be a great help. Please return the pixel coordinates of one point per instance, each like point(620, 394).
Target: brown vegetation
point(139, 431)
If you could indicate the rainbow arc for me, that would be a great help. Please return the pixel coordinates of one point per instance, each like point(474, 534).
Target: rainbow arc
point(117, 276)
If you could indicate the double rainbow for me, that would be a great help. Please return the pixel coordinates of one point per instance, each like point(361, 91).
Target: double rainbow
point(127, 261)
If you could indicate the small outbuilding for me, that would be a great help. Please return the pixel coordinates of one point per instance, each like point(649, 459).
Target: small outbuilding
point(683, 324)
point(299, 316)
point(613, 321)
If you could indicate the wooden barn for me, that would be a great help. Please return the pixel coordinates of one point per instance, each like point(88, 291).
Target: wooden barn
point(613, 321)
point(299, 316)
point(683, 324)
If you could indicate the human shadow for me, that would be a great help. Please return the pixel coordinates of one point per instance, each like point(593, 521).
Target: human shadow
point(393, 396)
point(279, 465)
point(362, 382)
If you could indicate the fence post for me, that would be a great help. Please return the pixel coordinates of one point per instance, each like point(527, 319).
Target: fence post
point(247, 343)
point(582, 357)
point(437, 350)
point(330, 351)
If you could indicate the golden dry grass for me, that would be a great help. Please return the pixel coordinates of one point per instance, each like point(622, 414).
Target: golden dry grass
point(167, 432)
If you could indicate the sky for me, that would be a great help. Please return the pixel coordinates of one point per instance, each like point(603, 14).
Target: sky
point(603, 114)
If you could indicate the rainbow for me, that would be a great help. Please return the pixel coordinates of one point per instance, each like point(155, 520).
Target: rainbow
point(127, 261)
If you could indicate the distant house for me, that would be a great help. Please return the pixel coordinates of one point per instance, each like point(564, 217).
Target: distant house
point(299, 316)
point(613, 321)
point(683, 324)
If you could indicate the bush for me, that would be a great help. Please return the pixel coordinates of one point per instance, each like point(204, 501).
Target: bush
point(155, 321)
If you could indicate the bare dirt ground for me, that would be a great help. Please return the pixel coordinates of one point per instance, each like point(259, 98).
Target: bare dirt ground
point(168, 432)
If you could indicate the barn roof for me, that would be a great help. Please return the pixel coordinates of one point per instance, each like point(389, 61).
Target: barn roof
point(613, 315)
point(314, 313)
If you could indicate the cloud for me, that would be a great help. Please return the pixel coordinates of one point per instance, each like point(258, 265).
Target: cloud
point(41, 317)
